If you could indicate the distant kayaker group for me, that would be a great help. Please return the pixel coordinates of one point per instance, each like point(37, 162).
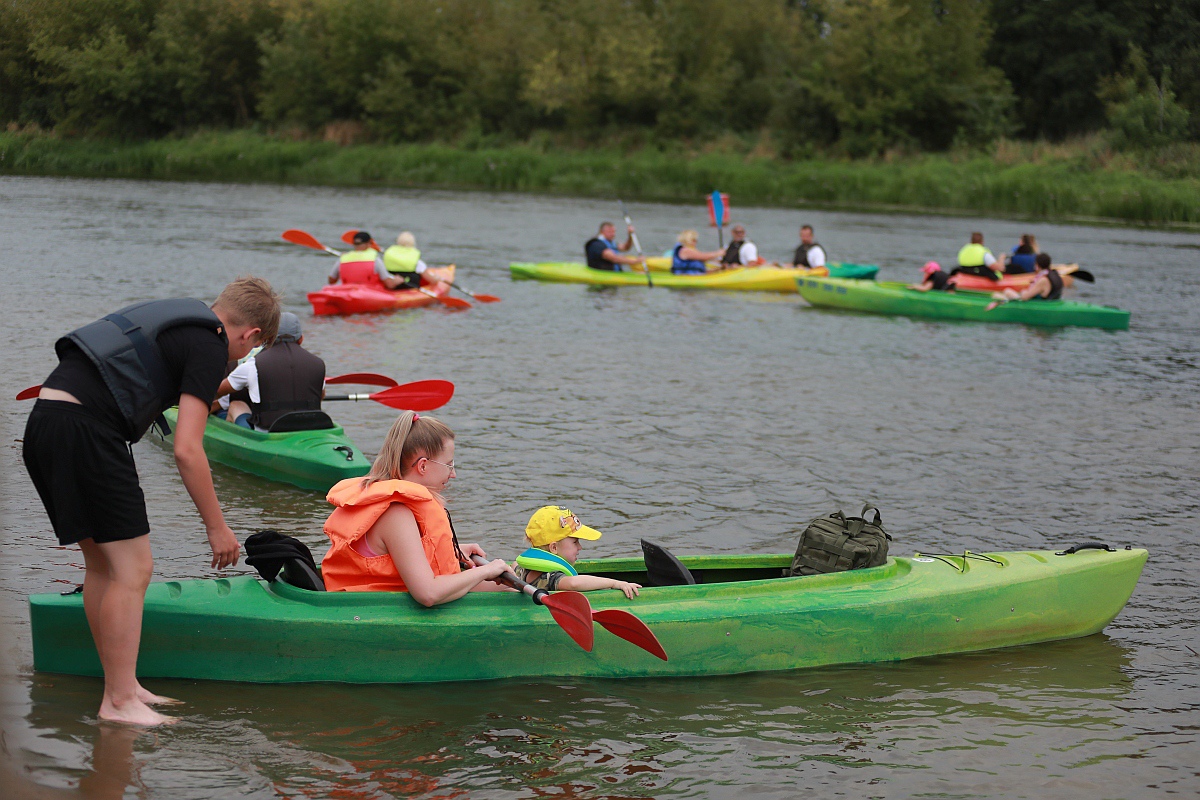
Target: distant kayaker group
point(602, 252)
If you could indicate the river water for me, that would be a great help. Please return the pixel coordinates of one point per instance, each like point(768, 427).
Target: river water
point(707, 422)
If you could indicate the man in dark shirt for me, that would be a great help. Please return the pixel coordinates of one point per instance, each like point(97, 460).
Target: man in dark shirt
point(602, 251)
point(77, 450)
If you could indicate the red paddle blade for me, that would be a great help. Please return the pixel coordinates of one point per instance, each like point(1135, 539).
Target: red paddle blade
point(363, 379)
point(631, 629)
point(453, 302)
point(348, 236)
point(30, 393)
point(416, 396)
point(485, 298)
point(302, 238)
point(573, 613)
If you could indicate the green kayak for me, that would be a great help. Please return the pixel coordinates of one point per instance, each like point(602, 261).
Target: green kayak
point(309, 459)
point(897, 299)
point(739, 617)
point(749, 279)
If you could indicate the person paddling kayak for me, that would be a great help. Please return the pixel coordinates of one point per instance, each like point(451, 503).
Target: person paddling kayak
point(602, 252)
point(114, 379)
point(390, 531)
point(279, 380)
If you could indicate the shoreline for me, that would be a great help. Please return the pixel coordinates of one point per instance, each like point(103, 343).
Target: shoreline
point(1059, 190)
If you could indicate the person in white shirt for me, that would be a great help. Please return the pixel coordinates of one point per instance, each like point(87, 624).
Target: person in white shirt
point(809, 254)
point(741, 251)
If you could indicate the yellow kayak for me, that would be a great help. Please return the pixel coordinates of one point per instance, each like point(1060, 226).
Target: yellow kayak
point(748, 279)
point(837, 269)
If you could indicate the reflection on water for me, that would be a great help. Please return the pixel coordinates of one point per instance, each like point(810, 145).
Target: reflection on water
point(708, 422)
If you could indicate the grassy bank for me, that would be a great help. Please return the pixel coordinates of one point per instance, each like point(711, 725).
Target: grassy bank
point(1017, 180)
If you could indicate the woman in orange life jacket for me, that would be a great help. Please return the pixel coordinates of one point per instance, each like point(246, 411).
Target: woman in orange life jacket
point(390, 530)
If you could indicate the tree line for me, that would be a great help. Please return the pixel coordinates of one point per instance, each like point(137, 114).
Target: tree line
point(848, 77)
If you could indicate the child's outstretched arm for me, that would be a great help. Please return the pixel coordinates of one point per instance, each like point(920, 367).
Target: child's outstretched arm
point(588, 583)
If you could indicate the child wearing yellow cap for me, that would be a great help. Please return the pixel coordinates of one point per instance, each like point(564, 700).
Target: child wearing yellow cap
point(553, 534)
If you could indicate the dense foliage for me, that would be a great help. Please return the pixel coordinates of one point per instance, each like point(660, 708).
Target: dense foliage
point(843, 76)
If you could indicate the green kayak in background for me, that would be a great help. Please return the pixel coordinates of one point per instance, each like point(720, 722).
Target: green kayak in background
point(897, 299)
point(313, 460)
point(740, 616)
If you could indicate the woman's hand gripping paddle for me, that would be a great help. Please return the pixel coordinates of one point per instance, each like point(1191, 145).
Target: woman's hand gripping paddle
point(305, 239)
point(571, 610)
point(637, 245)
point(614, 620)
point(348, 238)
point(415, 396)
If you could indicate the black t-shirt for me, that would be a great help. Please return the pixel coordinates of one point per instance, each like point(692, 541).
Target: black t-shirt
point(195, 359)
point(594, 250)
point(940, 281)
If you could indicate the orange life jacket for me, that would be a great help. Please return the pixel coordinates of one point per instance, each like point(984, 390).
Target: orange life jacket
point(345, 569)
point(358, 266)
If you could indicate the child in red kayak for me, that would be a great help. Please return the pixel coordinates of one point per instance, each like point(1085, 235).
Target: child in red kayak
point(391, 532)
point(553, 534)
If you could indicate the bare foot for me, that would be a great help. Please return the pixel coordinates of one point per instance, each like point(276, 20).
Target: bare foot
point(133, 712)
point(991, 305)
point(151, 699)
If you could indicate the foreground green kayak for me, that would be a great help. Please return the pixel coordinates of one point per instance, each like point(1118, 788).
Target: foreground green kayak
point(750, 279)
point(739, 617)
point(897, 299)
point(309, 459)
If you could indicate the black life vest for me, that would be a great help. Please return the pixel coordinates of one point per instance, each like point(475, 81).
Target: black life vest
point(289, 379)
point(1056, 285)
point(124, 348)
point(595, 255)
point(801, 257)
point(732, 254)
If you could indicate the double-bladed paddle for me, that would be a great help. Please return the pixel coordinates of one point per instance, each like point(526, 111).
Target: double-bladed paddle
point(415, 396)
point(364, 379)
point(348, 238)
point(637, 245)
point(574, 614)
point(305, 239)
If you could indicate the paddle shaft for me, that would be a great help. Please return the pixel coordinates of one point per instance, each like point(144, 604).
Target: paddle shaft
point(636, 244)
point(511, 580)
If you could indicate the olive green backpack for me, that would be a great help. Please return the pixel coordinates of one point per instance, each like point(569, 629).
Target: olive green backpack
point(836, 543)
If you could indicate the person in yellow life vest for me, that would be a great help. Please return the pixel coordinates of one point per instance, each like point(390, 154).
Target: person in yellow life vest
point(975, 259)
point(553, 534)
point(390, 531)
point(404, 266)
point(363, 264)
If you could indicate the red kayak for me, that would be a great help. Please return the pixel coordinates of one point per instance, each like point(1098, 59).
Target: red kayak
point(978, 283)
point(363, 298)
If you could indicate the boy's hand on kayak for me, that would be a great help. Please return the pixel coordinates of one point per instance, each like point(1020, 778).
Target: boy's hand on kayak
point(225, 547)
point(630, 589)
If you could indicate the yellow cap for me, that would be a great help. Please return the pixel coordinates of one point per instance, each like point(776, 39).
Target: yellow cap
point(555, 523)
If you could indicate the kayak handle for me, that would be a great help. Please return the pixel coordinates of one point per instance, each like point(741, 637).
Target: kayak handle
point(341, 448)
point(1087, 546)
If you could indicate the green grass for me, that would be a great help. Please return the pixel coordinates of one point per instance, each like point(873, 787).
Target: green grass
point(1015, 180)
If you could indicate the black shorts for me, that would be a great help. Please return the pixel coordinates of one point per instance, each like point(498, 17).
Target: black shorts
point(84, 472)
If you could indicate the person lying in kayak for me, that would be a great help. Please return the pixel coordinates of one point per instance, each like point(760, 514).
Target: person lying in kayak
point(553, 534)
point(283, 378)
point(741, 251)
point(390, 531)
point(404, 266)
point(602, 252)
point(935, 279)
point(687, 260)
point(1047, 285)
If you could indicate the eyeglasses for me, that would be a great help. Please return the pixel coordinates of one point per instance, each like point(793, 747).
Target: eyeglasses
point(449, 466)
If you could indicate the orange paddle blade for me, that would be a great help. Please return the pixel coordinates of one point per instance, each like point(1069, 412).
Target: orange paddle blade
point(348, 238)
point(364, 379)
point(30, 393)
point(631, 629)
point(453, 302)
point(573, 613)
point(416, 396)
point(302, 238)
point(484, 298)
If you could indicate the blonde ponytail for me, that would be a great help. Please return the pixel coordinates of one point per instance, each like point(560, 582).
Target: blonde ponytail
point(411, 437)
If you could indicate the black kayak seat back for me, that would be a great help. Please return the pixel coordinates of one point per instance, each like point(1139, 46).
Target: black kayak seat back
point(664, 569)
point(299, 574)
point(302, 421)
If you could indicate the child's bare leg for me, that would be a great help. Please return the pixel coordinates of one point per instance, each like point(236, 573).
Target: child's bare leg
point(118, 628)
